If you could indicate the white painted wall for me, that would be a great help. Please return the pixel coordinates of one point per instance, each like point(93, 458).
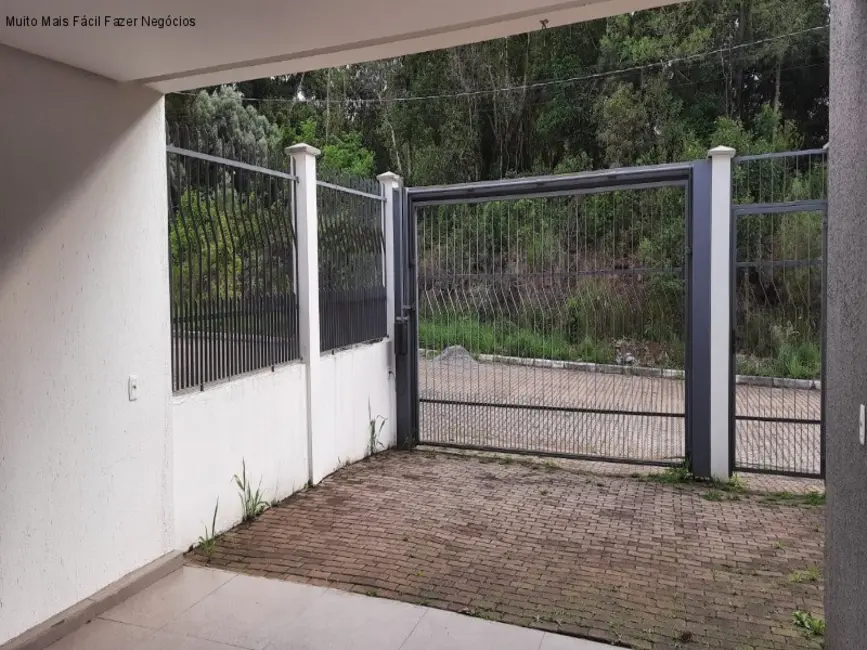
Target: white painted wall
point(352, 379)
point(85, 474)
point(260, 418)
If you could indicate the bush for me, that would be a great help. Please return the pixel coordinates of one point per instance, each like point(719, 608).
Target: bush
point(597, 311)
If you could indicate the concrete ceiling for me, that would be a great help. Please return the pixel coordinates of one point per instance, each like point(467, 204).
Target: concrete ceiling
point(235, 40)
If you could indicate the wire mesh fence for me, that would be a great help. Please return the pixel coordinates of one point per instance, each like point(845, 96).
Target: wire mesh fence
point(778, 297)
point(784, 177)
point(232, 258)
point(555, 325)
point(352, 289)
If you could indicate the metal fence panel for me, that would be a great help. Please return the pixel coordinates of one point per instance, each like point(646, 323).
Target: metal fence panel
point(232, 259)
point(352, 293)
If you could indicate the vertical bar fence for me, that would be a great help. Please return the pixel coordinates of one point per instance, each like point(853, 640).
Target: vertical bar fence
point(352, 287)
point(231, 258)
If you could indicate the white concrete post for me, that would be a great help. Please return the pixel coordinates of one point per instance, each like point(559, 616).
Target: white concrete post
point(390, 182)
point(720, 311)
point(307, 244)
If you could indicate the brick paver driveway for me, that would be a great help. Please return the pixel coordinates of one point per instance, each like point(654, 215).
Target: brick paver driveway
point(615, 558)
point(456, 392)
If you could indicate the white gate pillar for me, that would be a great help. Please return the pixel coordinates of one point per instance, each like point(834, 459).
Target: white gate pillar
point(720, 310)
point(307, 246)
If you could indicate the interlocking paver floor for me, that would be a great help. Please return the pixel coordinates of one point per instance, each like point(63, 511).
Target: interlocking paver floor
point(633, 433)
point(613, 558)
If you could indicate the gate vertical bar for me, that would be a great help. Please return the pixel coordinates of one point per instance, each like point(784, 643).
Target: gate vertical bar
point(412, 315)
point(823, 333)
point(402, 368)
point(698, 377)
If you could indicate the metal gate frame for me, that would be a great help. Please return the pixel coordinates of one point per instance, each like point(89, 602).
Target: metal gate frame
point(695, 177)
point(756, 209)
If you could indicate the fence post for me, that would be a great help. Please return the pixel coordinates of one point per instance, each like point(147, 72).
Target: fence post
point(390, 184)
point(307, 244)
point(721, 386)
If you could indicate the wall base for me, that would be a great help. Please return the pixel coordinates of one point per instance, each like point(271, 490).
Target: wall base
point(69, 620)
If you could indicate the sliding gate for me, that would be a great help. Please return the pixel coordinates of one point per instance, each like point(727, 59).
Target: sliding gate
point(550, 315)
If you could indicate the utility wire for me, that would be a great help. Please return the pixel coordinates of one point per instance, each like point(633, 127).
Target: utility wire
point(533, 85)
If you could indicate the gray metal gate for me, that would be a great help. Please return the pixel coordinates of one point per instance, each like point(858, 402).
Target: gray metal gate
point(549, 315)
point(779, 223)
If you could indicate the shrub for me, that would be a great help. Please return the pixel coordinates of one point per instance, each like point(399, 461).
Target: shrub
point(597, 311)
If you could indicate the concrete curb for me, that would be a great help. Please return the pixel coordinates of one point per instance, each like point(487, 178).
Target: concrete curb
point(635, 371)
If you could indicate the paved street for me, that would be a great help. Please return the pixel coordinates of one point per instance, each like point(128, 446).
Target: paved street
point(637, 433)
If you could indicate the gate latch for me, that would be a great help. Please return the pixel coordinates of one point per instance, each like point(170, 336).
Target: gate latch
point(401, 331)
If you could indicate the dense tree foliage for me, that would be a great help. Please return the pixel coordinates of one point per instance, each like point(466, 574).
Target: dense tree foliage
point(651, 87)
point(654, 86)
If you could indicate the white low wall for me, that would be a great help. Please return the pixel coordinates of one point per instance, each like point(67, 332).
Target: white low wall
point(356, 387)
point(260, 418)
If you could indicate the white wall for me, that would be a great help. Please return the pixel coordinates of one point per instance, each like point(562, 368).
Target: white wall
point(85, 474)
point(352, 379)
point(260, 418)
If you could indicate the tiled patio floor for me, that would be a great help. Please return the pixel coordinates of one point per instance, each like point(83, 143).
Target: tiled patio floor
point(205, 609)
point(613, 558)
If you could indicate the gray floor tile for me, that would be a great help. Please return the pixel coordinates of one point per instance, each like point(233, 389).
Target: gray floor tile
point(169, 597)
point(559, 642)
point(440, 630)
point(103, 635)
point(247, 611)
point(344, 621)
point(168, 641)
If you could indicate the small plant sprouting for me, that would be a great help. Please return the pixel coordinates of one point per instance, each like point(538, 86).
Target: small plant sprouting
point(252, 503)
point(375, 429)
point(208, 541)
point(810, 574)
point(813, 625)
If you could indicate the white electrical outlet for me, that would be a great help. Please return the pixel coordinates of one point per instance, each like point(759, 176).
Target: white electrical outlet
point(132, 385)
point(861, 422)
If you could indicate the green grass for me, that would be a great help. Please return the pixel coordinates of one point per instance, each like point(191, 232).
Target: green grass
point(504, 339)
point(795, 499)
point(793, 360)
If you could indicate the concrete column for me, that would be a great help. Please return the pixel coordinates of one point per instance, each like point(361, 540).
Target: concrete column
point(390, 183)
point(846, 343)
point(307, 244)
point(720, 309)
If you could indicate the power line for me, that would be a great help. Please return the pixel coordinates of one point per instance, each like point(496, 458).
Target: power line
point(534, 85)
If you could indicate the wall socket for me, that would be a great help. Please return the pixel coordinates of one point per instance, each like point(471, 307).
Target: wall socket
point(861, 423)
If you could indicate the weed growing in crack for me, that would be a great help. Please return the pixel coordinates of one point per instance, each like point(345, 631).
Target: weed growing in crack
point(810, 574)
point(208, 541)
point(374, 430)
point(253, 503)
point(812, 625)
